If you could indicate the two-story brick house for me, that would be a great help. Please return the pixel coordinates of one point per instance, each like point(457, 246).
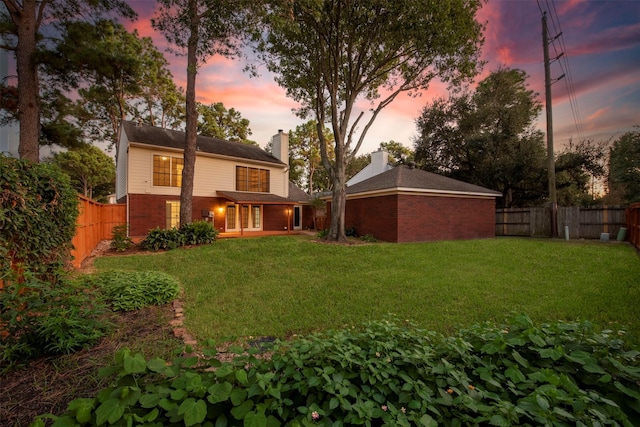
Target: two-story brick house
point(240, 188)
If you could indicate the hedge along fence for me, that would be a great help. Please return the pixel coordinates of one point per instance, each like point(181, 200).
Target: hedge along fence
point(38, 213)
point(582, 223)
point(95, 224)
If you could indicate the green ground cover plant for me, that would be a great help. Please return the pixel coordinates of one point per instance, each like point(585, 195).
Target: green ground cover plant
point(386, 373)
point(194, 233)
point(40, 319)
point(285, 285)
point(132, 290)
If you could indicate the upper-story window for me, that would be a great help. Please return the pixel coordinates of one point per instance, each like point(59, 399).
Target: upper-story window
point(167, 171)
point(252, 179)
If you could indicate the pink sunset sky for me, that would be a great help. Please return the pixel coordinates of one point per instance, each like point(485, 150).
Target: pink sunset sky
point(600, 41)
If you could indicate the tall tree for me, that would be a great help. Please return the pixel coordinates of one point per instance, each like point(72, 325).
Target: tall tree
point(487, 138)
point(112, 70)
point(304, 156)
point(578, 168)
point(22, 22)
point(624, 165)
point(329, 55)
point(216, 121)
point(88, 167)
point(200, 29)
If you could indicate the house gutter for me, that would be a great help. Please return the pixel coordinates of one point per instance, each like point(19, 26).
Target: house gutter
point(422, 192)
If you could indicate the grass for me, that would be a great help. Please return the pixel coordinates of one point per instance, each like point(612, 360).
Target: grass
point(279, 286)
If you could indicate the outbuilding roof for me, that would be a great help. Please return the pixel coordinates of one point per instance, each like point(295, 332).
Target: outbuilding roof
point(408, 178)
point(160, 137)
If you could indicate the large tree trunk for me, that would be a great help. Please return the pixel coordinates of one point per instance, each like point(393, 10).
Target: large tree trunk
point(188, 172)
point(28, 85)
point(338, 204)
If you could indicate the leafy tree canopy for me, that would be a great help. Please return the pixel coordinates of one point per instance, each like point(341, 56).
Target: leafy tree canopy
point(330, 55)
point(579, 167)
point(487, 137)
point(398, 153)
point(305, 162)
point(216, 121)
point(23, 25)
point(624, 165)
point(117, 74)
point(90, 169)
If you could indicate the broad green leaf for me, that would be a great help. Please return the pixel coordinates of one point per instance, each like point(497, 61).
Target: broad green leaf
point(238, 396)
point(314, 381)
point(194, 411)
point(542, 402)
point(550, 353)
point(563, 413)
point(334, 403)
point(239, 412)
point(224, 370)
point(499, 420)
point(253, 419)
point(537, 340)
point(594, 369)
point(518, 358)
point(221, 421)
point(109, 411)
point(627, 391)
point(135, 364)
point(581, 357)
point(427, 421)
point(241, 376)
point(156, 365)
point(219, 392)
point(149, 400)
point(514, 374)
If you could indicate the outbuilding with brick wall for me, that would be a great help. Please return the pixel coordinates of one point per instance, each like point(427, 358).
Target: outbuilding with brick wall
point(405, 204)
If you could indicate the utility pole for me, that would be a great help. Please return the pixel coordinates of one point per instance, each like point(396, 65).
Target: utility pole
point(551, 166)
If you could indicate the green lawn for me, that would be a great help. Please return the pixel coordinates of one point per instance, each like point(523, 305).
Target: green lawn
point(279, 286)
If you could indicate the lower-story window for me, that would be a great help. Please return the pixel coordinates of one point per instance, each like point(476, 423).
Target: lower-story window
point(172, 214)
point(256, 218)
point(249, 217)
point(231, 217)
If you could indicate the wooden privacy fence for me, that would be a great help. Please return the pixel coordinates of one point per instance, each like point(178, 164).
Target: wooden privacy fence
point(633, 224)
point(95, 224)
point(581, 223)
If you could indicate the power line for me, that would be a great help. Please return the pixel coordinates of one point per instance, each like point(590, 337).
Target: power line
point(561, 56)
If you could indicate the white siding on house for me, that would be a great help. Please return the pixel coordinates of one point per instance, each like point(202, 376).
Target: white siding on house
point(211, 174)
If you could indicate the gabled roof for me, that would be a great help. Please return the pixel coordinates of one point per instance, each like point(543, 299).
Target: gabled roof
point(297, 194)
point(406, 178)
point(167, 138)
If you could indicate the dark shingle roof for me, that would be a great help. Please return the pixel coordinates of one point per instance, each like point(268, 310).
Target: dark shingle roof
point(159, 137)
point(297, 194)
point(406, 177)
point(245, 197)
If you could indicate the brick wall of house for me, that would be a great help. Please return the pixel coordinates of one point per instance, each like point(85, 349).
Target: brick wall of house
point(274, 217)
point(147, 211)
point(414, 218)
